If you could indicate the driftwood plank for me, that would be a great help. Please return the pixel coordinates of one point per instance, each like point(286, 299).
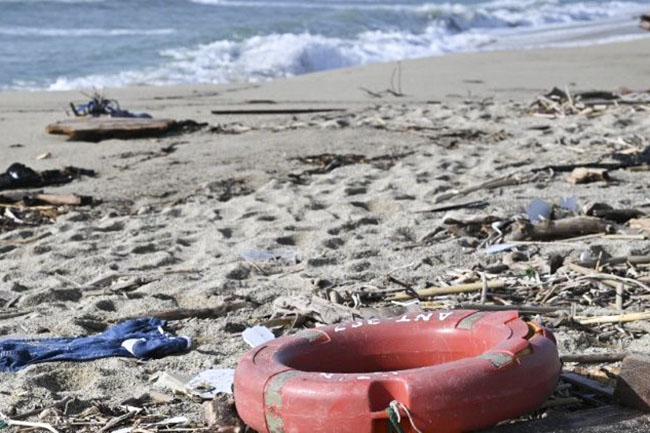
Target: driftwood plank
point(559, 229)
point(97, 129)
point(633, 384)
point(607, 419)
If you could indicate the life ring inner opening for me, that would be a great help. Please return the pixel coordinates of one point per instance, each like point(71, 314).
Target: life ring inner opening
point(358, 351)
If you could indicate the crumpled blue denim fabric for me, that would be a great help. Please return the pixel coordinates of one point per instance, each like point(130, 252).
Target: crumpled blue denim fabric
point(140, 338)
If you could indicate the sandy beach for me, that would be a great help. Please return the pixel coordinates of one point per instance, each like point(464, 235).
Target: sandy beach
point(345, 199)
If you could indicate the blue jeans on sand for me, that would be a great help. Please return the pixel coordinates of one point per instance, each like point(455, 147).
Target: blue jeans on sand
point(140, 338)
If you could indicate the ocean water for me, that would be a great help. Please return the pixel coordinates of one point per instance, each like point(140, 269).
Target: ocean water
point(72, 44)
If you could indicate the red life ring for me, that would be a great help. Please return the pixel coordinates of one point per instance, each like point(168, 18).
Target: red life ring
point(453, 371)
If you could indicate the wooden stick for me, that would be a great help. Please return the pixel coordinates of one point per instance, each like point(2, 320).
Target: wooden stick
point(117, 420)
point(634, 260)
point(61, 403)
point(560, 229)
point(588, 358)
point(12, 314)
point(438, 291)
point(499, 182)
point(617, 318)
point(41, 425)
point(626, 237)
point(409, 289)
point(608, 279)
point(454, 206)
point(619, 296)
point(563, 401)
point(263, 111)
point(184, 313)
point(591, 272)
point(533, 309)
point(592, 102)
point(69, 199)
point(589, 384)
point(15, 200)
point(484, 288)
point(605, 277)
point(571, 167)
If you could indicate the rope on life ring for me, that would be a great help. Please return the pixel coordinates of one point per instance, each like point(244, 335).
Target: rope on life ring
point(395, 419)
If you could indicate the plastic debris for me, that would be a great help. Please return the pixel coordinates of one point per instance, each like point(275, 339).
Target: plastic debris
point(499, 248)
point(98, 105)
point(257, 335)
point(172, 382)
point(20, 176)
point(569, 203)
point(538, 211)
point(209, 383)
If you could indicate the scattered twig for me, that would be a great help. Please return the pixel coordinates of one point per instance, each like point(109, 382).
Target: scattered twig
point(438, 291)
point(11, 315)
point(474, 204)
point(184, 313)
point(39, 425)
point(531, 309)
point(117, 420)
point(591, 272)
point(591, 385)
point(509, 180)
point(484, 287)
point(59, 404)
point(587, 358)
point(271, 111)
point(617, 318)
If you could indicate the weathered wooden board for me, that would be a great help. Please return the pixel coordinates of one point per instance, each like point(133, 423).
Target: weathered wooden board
point(607, 419)
point(633, 384)
point(97, 129)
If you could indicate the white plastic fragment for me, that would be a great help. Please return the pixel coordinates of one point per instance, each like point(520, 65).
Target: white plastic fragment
point(499, 248)
point(569, 203)
point(207, 384)
point(538, 211)
point(172, 382)
point(257, 335)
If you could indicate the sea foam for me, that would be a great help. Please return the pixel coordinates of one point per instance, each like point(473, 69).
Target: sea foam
point(498, 24)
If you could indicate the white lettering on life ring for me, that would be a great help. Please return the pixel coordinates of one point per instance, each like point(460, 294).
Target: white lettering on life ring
point(424, 317)
point(327, 375)
point(363, 378)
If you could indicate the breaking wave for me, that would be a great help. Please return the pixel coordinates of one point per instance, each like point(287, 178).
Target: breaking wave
point(498, 24)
